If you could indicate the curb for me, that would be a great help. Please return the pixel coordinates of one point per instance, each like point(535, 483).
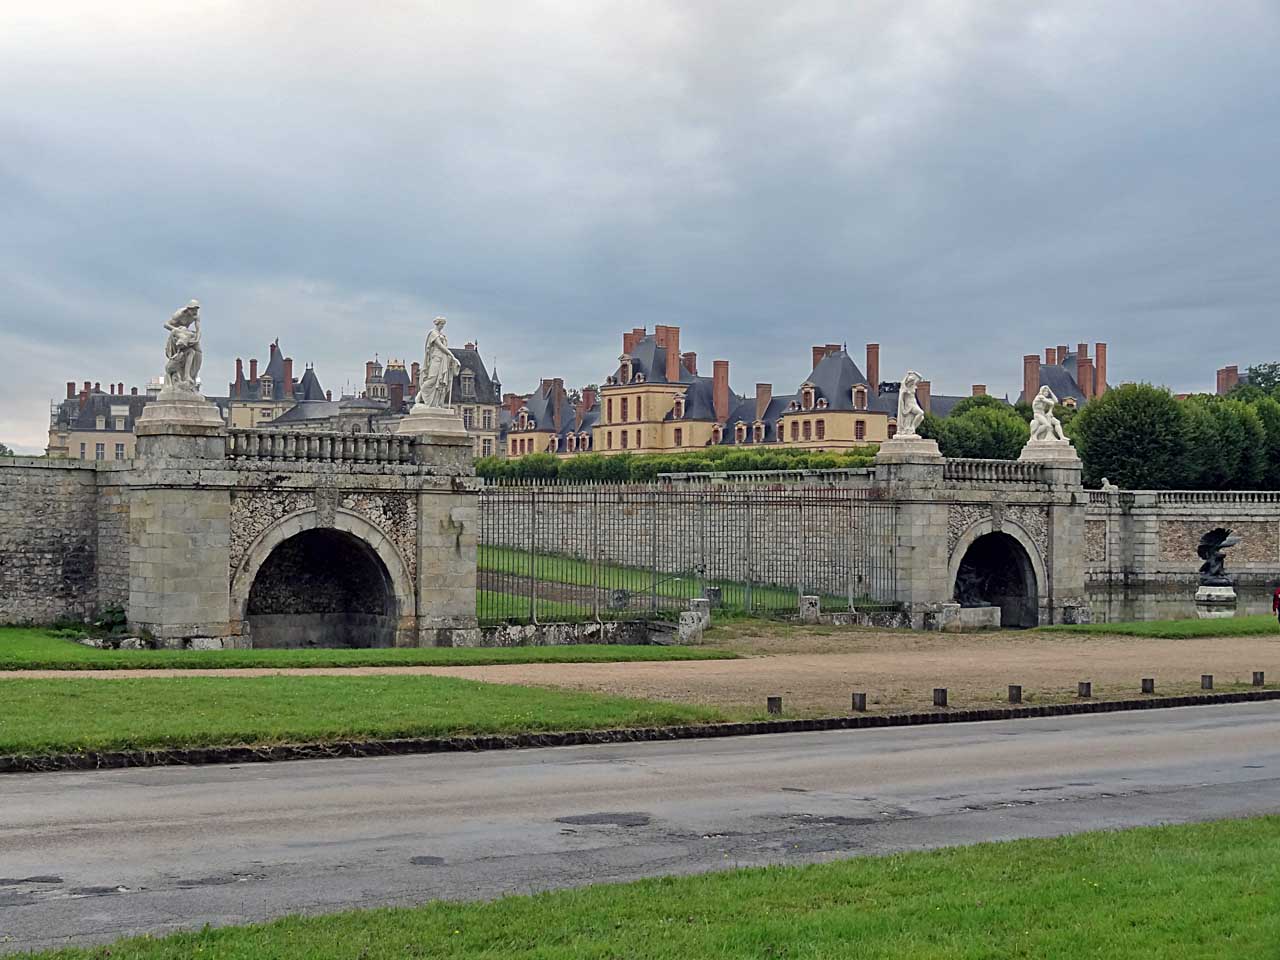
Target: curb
point(191, 756)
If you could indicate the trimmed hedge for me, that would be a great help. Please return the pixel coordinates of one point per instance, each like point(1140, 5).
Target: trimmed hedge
point(633, 468)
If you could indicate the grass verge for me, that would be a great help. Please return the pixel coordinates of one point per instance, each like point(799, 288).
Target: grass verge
point(40, 717)
point(1202, 891)
point(1176, 629)
point(23, 648)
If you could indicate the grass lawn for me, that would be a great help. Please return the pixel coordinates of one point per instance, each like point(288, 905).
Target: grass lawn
point(1177, 629)
point(1203, 891)
point(76, 714)
point(24, 648)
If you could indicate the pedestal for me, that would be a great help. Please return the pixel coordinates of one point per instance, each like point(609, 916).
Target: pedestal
point(181, 426)
point(432, 422)
point(909, 450)
point(1219, 594)
point(1050, 451)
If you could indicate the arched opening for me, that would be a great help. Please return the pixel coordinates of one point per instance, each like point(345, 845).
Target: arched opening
point(996, 571)
point(322, 588)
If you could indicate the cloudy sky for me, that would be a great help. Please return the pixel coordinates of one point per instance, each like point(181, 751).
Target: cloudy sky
point(964, 181)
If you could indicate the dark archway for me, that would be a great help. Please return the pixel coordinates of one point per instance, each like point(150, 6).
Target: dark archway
point(996, 571)
point(322, 588)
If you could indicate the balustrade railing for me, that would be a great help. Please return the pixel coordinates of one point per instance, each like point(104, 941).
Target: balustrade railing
point(993, 471)
point(1218, 496)
point(287, 445)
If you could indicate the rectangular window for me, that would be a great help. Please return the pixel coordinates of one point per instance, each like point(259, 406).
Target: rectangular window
point(822, 429)
point(119, 451)
point(468, 418)
point(624, 433)
point(119, 423)
point(487, 420)
point(638, 444)
point(608, 440)
point(101, 423)
point(639, 408)
point(626, 409)
point(679, 437)
point(82, 451)
point(99, 451)
point(860, 430)
point(608, 413)
point(795, 429)
point(486, 448)
point(808, 429)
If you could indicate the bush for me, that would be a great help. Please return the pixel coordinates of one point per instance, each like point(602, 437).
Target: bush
point(633, 468)
point(1135, 435)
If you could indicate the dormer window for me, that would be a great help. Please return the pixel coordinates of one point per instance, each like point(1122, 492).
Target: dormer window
point(468, 385)
point(571, 443)
point(624, 374)
point(717, 433)
point(678, 410)
point(822, 403)
point(524, 420)
point(640, 378)
point(779, 432)
point(266, 388)
point(793, 405)
point(806, 397)
point(757, 432)
point(1069, 403)
point(893, 429)
point(584, 441)
point(740, 432)
point(859, 398)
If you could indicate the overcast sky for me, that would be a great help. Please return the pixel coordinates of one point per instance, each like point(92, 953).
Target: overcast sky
point(964, 181)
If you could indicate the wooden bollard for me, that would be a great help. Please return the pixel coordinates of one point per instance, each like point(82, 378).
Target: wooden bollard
point(939, 696)
point(1148, 684)
point(1259, 678)
point(1206, 681)
point(1015, 693)
point(860, 702)
point(1084, 690)
point(774, 705)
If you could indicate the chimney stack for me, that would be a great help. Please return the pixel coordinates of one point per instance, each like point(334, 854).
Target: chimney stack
point(71, 389)
point(979, 389)
point(720, 390)
point(764, 396)
point(668, 338)
point(1082, 350)
point(239, 371)
point(818, 354)
point(1099, 369)
point(629, 340)
point(328, 395)
point(690, 361)
point(924, 394)
point(288, 377)
point(1030, 376)
point(1062, 354)
point(416, 373)
point(133, 391)
point(120, 389)
point(395, 396)
point(111, 387)
point(253, 369)
point(1084, 373)
point(368, 370)
point(586, 404)
point(873, 368)
point(1050, 356)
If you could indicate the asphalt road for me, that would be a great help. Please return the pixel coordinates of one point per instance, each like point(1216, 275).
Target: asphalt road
point(88, 857)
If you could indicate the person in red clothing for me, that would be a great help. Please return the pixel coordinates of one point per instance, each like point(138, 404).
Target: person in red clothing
point(1275, 603)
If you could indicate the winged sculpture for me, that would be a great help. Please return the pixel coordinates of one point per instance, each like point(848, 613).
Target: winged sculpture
point(1212, 551)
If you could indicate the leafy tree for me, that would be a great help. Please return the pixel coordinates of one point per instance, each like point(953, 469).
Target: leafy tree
point(1248, 392)
point(5, 451)
point(1265, 376)
point(980, 402)
point(1135, 436)
point(983, 430)
point(1268, 413)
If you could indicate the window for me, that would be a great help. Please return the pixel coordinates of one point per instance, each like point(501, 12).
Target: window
point(893, 429)
point(780, 432)
point(468, 385)
point(822, 429)
point(679, 437)
point(608, 414)
point(101, 423)
point(119, 451)
point(626, 373)
point(808, 429)
point(758, 432)
point(99, 451)
point(626, 409)
point(740, 433)
point(808, 398)
point(624, 433)
point(571, 443)
point(859, 399)
point(584, 442)
point(639, 408)
point(795, 429)
point(608, 440)
point(678, 412)
point(486, 447)
point(82, 451)
point(638, 444)
point(120, 423)
point(860, 430)
point(468, 418)
point(487, 419)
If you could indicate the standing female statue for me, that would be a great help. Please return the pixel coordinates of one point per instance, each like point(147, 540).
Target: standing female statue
point(182, 352)
point(910, 414)
point(439, 367)
point(1044, 425)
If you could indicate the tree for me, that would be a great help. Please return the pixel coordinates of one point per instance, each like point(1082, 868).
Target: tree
point(1268, 413)
point(977, 403)
point(1135, 436)
point(5, 451)
point(992, 431)
point(1265, 376)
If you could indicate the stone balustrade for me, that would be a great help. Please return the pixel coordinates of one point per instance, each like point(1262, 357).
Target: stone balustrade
point(993, 471)
point(288, 446)
point(1217, 496)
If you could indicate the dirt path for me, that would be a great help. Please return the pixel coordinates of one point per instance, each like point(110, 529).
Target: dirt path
point(816, 672)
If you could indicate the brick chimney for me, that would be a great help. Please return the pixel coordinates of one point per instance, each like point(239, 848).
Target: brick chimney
point(1062, 353)
point(690, 361)
point(97, 386)
point(84, 395)
point(1030, 376)
point(924, 394)
point(587, 403)
point(553, 390)
point(873, 368)
point(764, 395)
point(415, 373)
point(111, 388)
point(235, 390)
point(71, 389)
point(288, 378)
point(328, 395)
point(668, 338)
point(720, 389)
point(1050, 356)
point(629, 340)
point(120, 389)
point(1084, 371)
point(368, 370)
point(1099, 369)
point(395, 395)
point(979, 390)
point(818, 354)
point(253, 369)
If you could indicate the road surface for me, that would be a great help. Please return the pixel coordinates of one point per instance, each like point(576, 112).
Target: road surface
point(88, 857)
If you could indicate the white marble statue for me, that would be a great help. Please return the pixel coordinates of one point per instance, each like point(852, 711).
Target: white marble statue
point(910, 414)
point(439, 367)
point(182, 352)
point(1044, 425)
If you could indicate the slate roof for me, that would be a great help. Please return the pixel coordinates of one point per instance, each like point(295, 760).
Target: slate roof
point(250, 390)
point(471, 360)
point(71, 416)
point(1061, 379)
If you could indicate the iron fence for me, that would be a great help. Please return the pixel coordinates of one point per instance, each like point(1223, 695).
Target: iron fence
point(551, 552)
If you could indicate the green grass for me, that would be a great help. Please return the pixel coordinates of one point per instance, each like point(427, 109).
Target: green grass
point(1177, 629)
point(23, 648)
point(555, 568)
point(82, 713)
point(1192, 892)
point(492, 606)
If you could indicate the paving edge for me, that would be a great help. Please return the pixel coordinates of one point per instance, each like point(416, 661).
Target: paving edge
point(193, 756)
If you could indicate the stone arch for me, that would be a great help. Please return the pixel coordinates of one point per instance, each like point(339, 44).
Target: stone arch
point(351, 529)
point(1010, 555)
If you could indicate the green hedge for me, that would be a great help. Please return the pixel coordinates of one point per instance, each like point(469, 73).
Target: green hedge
point(633, 468)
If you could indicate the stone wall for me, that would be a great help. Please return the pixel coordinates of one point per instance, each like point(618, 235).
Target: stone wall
point(113, 543)
point(48, 540)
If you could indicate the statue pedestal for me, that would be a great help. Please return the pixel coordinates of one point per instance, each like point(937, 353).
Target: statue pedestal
point(181, 426)
point(909, 450)
point(1050, 451)
point(1210, 593)
point(432, 422)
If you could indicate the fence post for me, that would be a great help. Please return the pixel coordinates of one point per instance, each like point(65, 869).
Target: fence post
point(751, 547)
point(595, 552)
point(533, 543)
point(654, 526)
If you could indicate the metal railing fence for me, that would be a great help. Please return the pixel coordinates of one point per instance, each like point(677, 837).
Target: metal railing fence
point(553, 552)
